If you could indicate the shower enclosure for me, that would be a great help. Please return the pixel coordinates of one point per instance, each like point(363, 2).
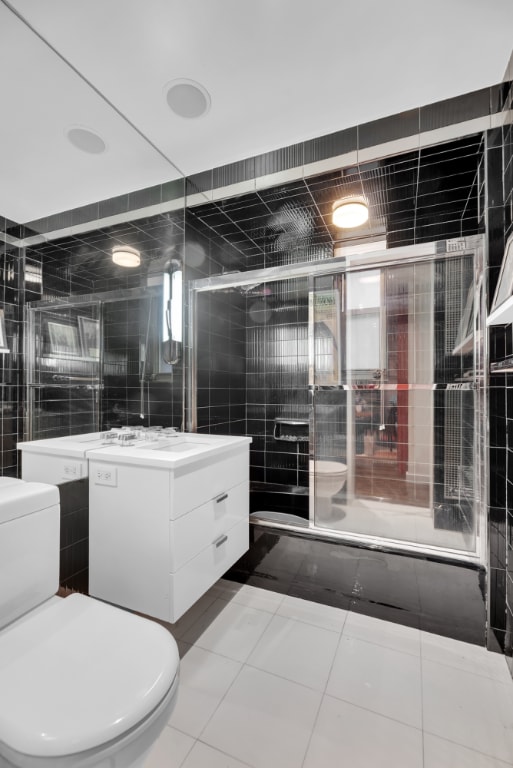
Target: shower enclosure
point(361, 381)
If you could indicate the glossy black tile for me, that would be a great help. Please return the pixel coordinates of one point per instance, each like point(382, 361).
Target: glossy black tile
point(198, 182)
point(84, 214)
point(233, 173)
point(331, 145)
point(497, 611)
point(172, 190)
point(432, 595)
point(496, 640)
point(142, 198)
point(279, 160)
point(113, 206)
point(388, 580)
point(388, 129)
point(455, 110)
point(500, 96)
point(386, 612)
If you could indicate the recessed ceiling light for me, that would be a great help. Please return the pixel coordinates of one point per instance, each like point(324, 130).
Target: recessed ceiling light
point(350, 212)
point(125, 256)
point(187, 98)
point(86, 140)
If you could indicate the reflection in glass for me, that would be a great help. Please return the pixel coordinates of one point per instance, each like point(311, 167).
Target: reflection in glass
point(395, 443)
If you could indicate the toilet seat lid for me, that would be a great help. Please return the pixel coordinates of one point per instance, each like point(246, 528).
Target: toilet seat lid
point(79, 673)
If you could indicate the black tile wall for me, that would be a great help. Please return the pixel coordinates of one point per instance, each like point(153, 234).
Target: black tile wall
point(221, 363)
point(333, 144)
point(417, 196)
point(82, 264)
point(12, 294)
point(74, 535)
point(388, 129)
point(421, 196)
point(499, 157)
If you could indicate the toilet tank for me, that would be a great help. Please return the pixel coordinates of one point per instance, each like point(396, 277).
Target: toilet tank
point(29, 546)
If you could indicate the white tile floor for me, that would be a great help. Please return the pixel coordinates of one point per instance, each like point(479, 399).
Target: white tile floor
point(270, 681)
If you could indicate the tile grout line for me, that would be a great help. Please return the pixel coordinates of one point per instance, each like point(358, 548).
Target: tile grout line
point(422, 700)
point(381, 645)
point(503, 683)
point(242, 665)
point(471, 749)
point(323, 694)
point(436, 735)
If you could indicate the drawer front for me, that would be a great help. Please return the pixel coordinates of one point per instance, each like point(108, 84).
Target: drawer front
point(191, 533)
point(198, 575)
point(199, 486)
point(41, 468)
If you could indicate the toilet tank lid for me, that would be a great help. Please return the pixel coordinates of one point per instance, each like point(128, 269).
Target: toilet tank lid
point(18, 498)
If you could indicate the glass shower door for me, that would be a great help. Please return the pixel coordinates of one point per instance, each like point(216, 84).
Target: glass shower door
point(393, 386)
point(63, 370)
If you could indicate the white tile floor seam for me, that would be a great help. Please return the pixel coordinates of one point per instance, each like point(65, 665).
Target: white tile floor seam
point(269, 680)
point(324, 693)
point(482, 758)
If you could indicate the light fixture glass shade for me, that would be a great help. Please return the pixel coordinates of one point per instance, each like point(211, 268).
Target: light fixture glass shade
point(124, 256)
point(350, 212)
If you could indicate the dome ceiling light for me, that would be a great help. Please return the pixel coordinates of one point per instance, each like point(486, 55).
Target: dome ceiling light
point(187, 98)
point(124, 256)
point(349, 212)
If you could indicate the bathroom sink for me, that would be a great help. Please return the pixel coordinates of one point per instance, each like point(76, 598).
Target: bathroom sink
point(180, 445)
point(173, 451)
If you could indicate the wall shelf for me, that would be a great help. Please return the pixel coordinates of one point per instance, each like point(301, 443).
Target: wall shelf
point(503, 315)
point(504, 366)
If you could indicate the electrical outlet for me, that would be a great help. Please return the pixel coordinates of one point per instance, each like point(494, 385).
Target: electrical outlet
point(106, 476)
point(72, 470)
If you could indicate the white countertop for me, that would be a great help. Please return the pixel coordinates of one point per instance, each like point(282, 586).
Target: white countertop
point(72, 446)
point(175, 452)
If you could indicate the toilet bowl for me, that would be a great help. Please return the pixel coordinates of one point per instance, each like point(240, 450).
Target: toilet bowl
point(326, 479)
point(82, 684)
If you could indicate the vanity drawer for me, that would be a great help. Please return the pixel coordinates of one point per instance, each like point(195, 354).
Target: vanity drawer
point(197, 576)
point(199, 486)
point(191, 533)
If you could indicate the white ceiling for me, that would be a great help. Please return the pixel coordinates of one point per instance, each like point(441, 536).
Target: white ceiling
point(278, 72)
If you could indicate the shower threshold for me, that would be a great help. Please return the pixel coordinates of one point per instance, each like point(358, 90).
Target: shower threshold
point(299, 526)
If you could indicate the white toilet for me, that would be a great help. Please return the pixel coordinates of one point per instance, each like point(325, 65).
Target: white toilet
point(82, 684)
point(326, 479)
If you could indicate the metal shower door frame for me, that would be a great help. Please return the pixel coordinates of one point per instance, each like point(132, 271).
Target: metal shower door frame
point(414, 254)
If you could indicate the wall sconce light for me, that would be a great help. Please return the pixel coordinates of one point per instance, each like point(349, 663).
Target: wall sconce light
point(124, 256)
point(350, 212)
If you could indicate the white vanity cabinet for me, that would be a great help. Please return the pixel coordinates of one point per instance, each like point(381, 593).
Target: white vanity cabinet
point(163, 525)
point(58, 459)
